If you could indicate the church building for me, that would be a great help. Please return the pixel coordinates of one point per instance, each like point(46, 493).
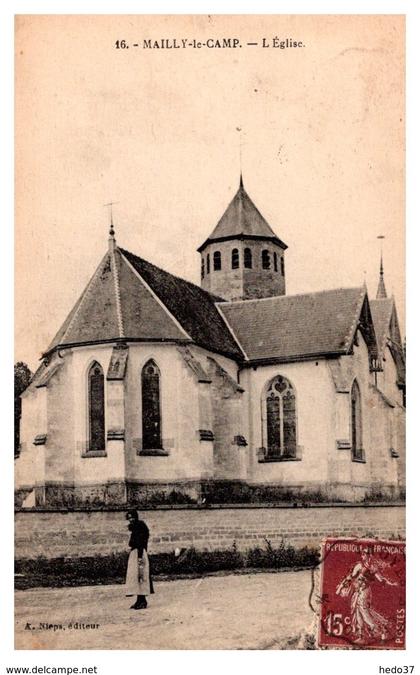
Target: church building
point(154, 384)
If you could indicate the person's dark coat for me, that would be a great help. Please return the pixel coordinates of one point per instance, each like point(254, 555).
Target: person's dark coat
point(139, 537)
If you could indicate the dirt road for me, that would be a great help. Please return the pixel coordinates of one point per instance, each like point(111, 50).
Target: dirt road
point(256, 611)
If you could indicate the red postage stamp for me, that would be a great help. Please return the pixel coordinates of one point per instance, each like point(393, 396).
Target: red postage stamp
point(362, 594)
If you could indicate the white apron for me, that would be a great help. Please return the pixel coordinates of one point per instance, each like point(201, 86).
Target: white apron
point(137, 581)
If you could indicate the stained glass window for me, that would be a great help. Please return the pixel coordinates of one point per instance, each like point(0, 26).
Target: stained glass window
point(356, 422)
point(280, 404)
point(96, 388)
point(150, 399)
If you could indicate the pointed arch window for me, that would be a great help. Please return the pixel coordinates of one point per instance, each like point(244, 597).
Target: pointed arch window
point(275, 261)
point(282, 265)
point(208, 263)
point(266, 261)
point(217, 261)
point(202, 268)
point(235, 259)
point(357, 452)
point(280, 419)
point(248, 258)
point(96, 402)
point(150, 406)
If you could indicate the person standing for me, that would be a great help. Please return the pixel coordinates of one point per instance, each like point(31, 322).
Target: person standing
point(138, 580)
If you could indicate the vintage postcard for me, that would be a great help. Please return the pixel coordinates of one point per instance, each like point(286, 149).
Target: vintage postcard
point(210, 332)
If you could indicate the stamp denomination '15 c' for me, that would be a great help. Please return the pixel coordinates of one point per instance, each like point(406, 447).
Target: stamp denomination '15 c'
point(362, 594)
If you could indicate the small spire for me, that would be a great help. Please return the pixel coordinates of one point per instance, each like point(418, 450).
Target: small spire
point(241, 182)
point(381, 292)
point(111, 239)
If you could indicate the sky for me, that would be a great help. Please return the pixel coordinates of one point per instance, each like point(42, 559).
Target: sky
point(317, 130)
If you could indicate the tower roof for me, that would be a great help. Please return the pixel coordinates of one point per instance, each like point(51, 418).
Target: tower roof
point(242, 220)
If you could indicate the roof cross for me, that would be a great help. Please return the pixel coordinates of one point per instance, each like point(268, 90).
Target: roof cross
point(111, 227)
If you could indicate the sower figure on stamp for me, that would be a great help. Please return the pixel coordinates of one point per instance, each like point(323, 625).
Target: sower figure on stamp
point(138, 580)
point(366, 622)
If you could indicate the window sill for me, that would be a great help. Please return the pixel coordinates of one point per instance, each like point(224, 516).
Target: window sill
point(93, 453)
point(40, 439)
point(359, 460)
point(265, 460)
point(158, 452)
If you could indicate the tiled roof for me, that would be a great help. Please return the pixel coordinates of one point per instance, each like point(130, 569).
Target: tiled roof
point(241, 220)
point(193, 307)
point(130, 299)
point(387, 330)
point(294, 326)
point(381, 314)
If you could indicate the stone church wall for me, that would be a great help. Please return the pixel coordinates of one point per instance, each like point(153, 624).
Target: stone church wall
point(243, 283)
point(315, 424)
point(380, 470)
point(179, 414)
point(80, 533)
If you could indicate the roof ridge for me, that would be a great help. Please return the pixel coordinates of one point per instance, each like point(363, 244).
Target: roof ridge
point(294, 295)
point(156, 296)
point(117, 294)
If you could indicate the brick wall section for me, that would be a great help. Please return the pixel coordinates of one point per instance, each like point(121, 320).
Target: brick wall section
point(79, 533)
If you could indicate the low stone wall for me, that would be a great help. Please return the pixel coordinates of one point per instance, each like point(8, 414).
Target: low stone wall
point(86, 533)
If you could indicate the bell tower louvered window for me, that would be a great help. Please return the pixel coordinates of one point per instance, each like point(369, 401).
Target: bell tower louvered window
point(265, 258)
point(235, 259)
point(248, 258)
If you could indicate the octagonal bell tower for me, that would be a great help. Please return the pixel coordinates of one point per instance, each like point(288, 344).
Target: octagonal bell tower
point(243, 258)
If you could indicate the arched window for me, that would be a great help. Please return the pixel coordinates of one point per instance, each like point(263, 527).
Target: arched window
point(235, 258)
point(280, 417)
point(248, 258)
point(275, 261)
point(202, 268)
point(217, 260)
point(150, 406)
point(96, 403)
point(282, 265)
point(356, 423)
point(208, 263)
point(265, 256)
